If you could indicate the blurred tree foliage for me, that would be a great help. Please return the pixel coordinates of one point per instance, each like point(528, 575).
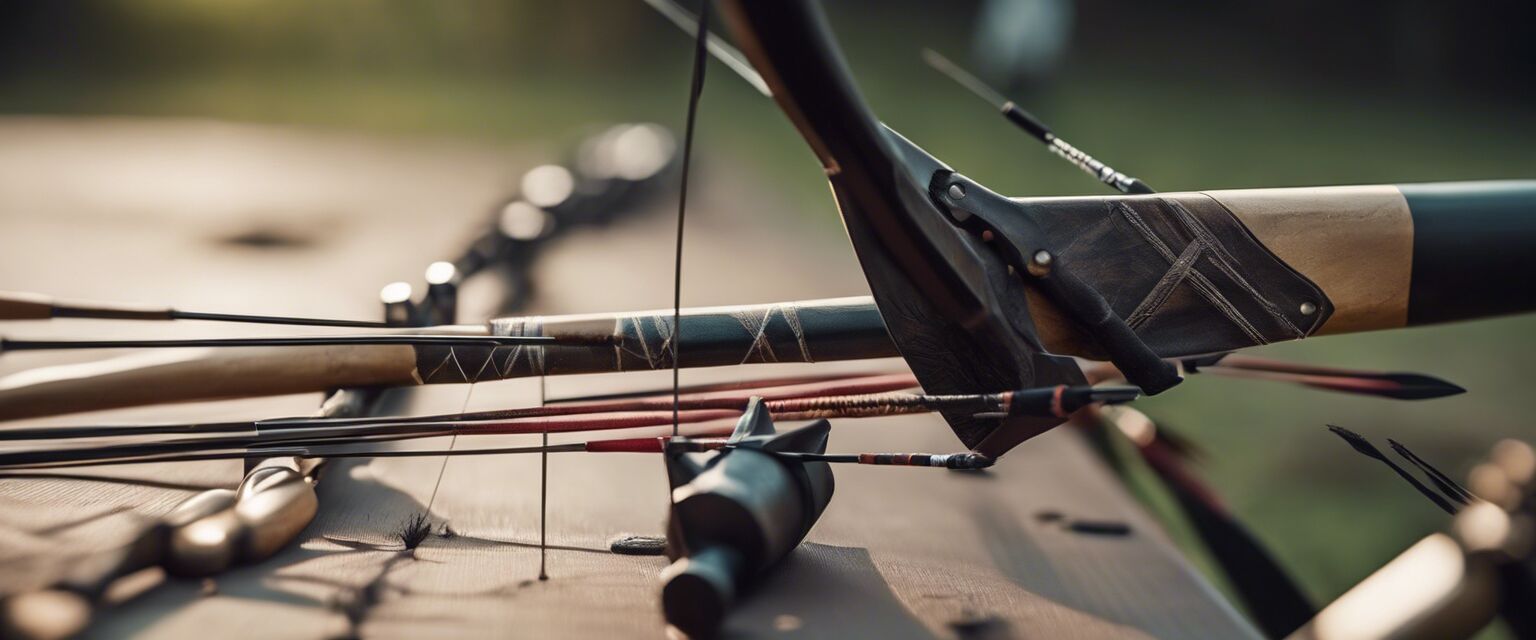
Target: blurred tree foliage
point(169, 36)
point(1427, 43)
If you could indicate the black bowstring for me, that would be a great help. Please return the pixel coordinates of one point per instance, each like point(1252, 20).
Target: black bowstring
point(700, 56)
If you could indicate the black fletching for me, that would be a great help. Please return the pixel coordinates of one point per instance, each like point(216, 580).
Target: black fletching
point(1443, 482)
point(1369, 450)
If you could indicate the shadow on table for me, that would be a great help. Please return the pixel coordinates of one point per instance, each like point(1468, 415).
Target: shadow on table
point(824, 591)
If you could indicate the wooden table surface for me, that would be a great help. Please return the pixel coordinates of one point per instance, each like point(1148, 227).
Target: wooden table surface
point(167, 211)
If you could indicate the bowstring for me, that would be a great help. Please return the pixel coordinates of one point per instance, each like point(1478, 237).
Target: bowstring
point(695, 90)
point(443, 468)
point(543, 486)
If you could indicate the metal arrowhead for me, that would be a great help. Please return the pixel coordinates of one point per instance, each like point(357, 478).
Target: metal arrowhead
point(755, 421)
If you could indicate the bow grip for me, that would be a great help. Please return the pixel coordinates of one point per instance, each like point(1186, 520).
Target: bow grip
point(1141, 366)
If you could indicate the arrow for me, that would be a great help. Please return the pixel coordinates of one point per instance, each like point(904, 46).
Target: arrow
point(18, 305)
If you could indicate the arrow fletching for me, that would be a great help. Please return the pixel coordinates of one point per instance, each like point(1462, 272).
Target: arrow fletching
point(1365, 448)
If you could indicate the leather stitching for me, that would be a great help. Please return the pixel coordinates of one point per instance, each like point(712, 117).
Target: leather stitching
point(1199, 281)
point(1224, 261)
point(1165, 287)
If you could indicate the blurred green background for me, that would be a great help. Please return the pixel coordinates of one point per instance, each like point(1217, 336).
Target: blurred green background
point(1187, 95)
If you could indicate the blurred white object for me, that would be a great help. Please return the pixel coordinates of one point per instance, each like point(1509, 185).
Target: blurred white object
point(1020, 43)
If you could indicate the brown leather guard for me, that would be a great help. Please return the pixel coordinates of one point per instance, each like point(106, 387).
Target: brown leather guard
point(1181, 269)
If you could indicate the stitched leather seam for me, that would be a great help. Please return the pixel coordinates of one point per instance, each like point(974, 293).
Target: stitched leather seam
point(1199, 281)
point(1165, 287)
point(1209, 291)
point(1224, 261)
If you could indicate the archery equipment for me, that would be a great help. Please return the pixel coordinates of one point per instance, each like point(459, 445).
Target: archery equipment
point(1451, 585)
point(215, 529)
point(1033, 126)
point(977, 289)
point(810, 331)
point(818, 331)
point(1364, 447)
point(1396, 385)
point(17, 305)
point(794, 403)
point(425, 340)
point(982, 293)
point(1267, 591)
point(1444, 483)
point(695, 91)
point(737, 514)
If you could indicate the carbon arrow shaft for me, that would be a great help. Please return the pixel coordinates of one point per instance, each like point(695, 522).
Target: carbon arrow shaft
point(19, 305)
point(317, 432)
point(1036, 128)
point(7, 344)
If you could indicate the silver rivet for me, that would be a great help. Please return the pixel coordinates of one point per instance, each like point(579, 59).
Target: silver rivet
point(1039, 264)
point(1308, 308)
point(957, 191)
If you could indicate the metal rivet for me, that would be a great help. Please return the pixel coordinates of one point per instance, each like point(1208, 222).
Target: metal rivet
point(1039, 264)
point(957, 191)
point(1308, 308)
point(987, 235)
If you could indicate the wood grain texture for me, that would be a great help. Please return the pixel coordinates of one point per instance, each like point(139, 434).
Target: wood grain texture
point(900, 553)
point(181, 375)
point(1354, 242)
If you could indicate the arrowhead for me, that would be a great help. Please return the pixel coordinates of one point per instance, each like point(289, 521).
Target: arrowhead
point(1398, 386)
point(1417, 386)
point(755, 421)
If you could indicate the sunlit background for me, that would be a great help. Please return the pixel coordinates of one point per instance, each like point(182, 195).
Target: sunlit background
point(1197, 94)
